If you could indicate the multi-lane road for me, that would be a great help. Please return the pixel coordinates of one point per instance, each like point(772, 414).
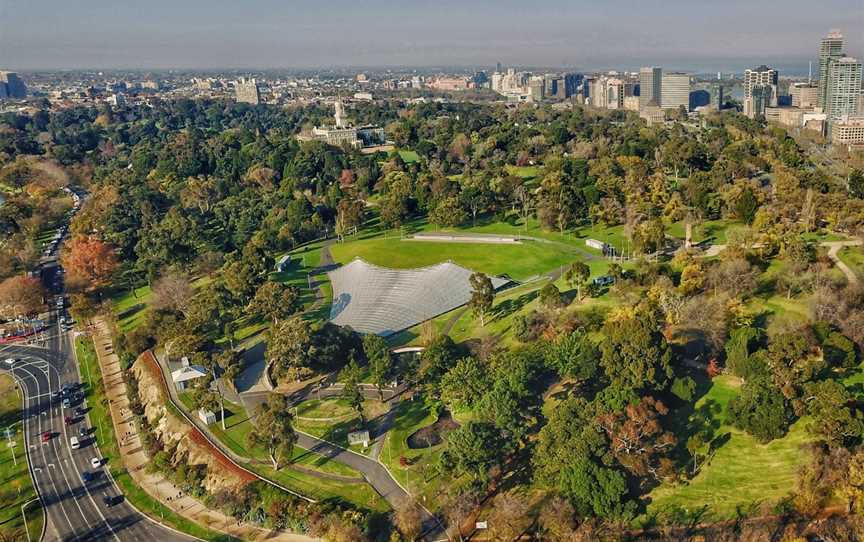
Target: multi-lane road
point(76, 510)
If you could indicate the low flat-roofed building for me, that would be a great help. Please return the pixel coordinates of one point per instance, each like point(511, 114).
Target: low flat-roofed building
point(848, 131)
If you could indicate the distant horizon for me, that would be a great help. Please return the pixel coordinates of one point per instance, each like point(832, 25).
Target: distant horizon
point(270, 34)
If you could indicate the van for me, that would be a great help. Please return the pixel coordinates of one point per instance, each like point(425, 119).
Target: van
point(73, 442)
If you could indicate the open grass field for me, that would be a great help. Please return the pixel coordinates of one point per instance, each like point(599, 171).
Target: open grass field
point(131, 308)
point(101, 420)
point(17, 488)
point(743, 471)
point(712, 231)
point(408, 156)
point(518, 261)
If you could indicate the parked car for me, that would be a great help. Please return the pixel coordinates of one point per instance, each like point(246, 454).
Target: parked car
point(73, 442)
point(83, 431)
point(95, 462)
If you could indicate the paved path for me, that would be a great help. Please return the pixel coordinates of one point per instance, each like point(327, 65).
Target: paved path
point(135, 460)
point(833, 248)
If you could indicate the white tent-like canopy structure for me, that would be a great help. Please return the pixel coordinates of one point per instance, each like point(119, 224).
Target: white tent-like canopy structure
point(383, 301)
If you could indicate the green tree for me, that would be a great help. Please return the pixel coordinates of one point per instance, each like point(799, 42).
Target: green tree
point(576, 275)
point(350, 377)
point(635, 354)
point(273, 429)
point(380, 361)
point(550, 296)
point(290, 347)
point(835, 414)
point(448, 213)
point(472, 450)
point(274, 301)
point(482, 295)
point(760, 409)
point(574, 356)
point(464, 385)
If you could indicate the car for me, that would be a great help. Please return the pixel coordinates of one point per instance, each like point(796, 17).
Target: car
point(83, 431)
point(109, 500)
point(68, 420)
point(73, 443)
point(9, 361)
point(95, 462)
point(79, 411)
point(46, 436)
point(86, 476)
point(66, 403)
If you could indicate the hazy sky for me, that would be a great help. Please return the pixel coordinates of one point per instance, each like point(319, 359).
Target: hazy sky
point(709, 34)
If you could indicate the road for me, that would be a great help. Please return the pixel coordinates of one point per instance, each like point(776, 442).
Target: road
point(75, 509)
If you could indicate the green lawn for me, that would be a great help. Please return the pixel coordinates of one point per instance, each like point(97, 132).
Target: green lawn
point(131, 308)
point(518, 261)
point(17, 485)
point(408, 156)
point(743, 471)
point(101, 420)
point(713, 231)
point(854, 258)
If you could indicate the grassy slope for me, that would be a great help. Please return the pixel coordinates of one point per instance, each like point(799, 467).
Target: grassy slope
point(743, 471)
point(101, 420)
point(17, 485)
point(854, 258)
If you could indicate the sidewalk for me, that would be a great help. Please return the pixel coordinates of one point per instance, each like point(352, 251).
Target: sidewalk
point(135, 460)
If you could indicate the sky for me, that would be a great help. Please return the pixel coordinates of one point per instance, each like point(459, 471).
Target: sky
point(705, 35)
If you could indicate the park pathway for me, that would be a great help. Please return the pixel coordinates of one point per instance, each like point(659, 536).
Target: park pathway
point(833, 250)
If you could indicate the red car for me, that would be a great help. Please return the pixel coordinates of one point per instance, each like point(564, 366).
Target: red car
point(46, 436)
point(68, 420)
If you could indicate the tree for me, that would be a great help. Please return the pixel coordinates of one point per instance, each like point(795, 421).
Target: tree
point(448, 213)
point(550, 296)
point(835, 415)
point(472, 450)
point(350, 377)
point(349, 215)
point(638, 440)
point(576, 275)
point(89, 262)
point(760, 409)
point(273, 429)
point(635, 355)
point(574, 356)
point(172, 291)
point(274, 301)
point(290, 347)
point(21, 296)
point(380, 360)
point(408, 519)
point(464, 385)
point(482, 295)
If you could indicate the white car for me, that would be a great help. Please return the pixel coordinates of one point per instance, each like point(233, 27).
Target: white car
point(9, 361)
point(95, 462)
point(73, 442)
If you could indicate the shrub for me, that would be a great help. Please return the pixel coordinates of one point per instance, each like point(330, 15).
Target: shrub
point(761, 410)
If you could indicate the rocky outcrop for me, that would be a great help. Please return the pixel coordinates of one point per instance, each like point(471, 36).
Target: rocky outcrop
point(187, 443)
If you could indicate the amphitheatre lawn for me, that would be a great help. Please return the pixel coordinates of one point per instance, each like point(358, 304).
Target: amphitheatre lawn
point(743, 472)
point(517, 261)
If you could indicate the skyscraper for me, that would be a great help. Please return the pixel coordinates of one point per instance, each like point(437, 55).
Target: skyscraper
point(675, 91)
point(650, 86)
point(760, 90)
point(830, 48)
point(842, 87)
point(246, 91)
point(12, 85)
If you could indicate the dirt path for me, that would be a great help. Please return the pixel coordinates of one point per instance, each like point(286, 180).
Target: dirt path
point(833, 250)
point(135, 460)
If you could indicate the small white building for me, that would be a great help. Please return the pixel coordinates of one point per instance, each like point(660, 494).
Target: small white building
point(206, 416)
point(283, 263)
point(186, 374)
point(359, 437)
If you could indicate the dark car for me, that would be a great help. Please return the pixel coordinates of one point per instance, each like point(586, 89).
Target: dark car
point(87, 476)
point(80, 411)
point(110, 500)
point(82, 431)
point(68, 420)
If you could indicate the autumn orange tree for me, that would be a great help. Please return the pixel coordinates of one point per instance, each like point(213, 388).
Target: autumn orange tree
point(89, 263)
point(21, 295)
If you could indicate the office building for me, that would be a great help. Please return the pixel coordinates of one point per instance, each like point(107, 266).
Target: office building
point(843, 87)
point(804, 95)
point(760, 90)
point(831, 48)
point(246, 91)
point(536, 88)
point(718, 98)
point(11, 86)
point(675, 91)
point(848, 131)
point(650, 86)
point(653, 115)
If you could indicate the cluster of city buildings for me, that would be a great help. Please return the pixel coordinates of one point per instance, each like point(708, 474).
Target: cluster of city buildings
point(11, 86)
point(367, 138)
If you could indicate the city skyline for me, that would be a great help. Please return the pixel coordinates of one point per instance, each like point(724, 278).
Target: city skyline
point(264, 34)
